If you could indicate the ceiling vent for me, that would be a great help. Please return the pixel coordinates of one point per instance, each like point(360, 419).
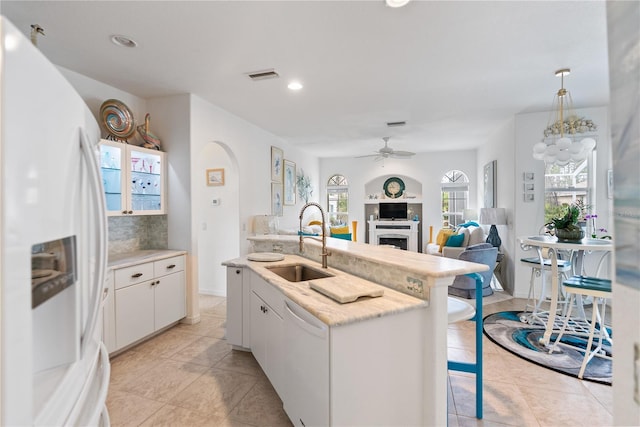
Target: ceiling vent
point(396, 124)
point(263, 75)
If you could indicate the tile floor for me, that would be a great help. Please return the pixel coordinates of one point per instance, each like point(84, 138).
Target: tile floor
point(189, 376)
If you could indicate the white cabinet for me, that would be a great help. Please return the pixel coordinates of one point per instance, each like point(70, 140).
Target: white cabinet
point(267, 330)
point(306, 358)
point(148, 297)
point(134, 179)
point(238, 308)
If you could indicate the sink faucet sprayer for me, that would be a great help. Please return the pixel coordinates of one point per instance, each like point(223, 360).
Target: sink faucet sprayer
point(325, 253)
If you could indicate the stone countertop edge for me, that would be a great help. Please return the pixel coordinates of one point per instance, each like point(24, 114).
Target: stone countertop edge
point(324, 308)
point(136, 257)
point(410, 262)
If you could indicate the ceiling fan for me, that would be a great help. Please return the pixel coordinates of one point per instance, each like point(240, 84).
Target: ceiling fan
point(386, 152)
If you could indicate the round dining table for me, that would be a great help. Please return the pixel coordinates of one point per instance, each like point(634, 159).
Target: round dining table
point(553, 246)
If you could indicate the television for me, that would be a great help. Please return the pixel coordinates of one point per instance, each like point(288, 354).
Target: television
point(393, 211)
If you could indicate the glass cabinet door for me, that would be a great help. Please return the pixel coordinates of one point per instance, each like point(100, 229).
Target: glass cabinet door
point(146, 180)
point(133, 179)
point(111, 167)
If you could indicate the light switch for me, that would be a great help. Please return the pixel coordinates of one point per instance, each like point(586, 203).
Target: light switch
point(216, 202)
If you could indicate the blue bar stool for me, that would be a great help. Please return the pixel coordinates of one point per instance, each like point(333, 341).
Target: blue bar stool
point(459, 311)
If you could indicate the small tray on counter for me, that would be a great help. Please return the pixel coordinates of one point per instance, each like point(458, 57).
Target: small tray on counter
point(265, 256)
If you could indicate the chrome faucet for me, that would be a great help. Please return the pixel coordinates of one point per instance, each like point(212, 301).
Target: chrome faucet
point(325, 253)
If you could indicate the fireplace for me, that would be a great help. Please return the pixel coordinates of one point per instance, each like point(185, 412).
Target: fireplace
point(397, 241)
point(403, 234)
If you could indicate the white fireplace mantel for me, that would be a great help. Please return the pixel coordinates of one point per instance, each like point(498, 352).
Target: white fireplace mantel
point(394, 229)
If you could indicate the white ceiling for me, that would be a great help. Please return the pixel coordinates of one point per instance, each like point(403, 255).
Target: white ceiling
point(456, 71)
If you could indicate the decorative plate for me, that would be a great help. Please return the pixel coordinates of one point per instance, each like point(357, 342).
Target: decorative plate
point(393, 187)
point(117, 118)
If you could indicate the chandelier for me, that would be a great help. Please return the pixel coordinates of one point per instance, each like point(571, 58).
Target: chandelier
point(567, 136)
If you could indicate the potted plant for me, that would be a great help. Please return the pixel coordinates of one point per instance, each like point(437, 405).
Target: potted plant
point(566, 227)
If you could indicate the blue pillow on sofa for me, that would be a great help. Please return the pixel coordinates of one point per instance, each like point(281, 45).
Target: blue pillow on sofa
point(345, 236)
point(469, 224)
point(455, 240)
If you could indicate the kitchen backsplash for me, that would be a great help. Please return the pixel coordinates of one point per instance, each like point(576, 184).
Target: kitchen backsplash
point(132, 233)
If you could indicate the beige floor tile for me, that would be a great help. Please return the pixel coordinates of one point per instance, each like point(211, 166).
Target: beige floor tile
point(172, 416)
point(166, 344)
point(240, 361)
point(219, 310)
point(164, 380)
point(215, 393)
point(531, 375)
point(126, 409)
point(207, 301)
point(128, 366)
point(261, 406)
point(503, 402)
point(602, 392)
point(209, 326)
point(473, 422)
point(204, 351)
point(554, 408)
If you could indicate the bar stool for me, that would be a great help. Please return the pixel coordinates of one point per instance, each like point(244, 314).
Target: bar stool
point(459, 311)
point(597, 289)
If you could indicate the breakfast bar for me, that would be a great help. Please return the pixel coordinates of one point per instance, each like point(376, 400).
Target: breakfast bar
point(396, 334)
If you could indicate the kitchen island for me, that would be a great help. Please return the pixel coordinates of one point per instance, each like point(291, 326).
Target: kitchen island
point(395, 344)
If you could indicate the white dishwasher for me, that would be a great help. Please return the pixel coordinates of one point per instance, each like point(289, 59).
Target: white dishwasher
point(306, 341)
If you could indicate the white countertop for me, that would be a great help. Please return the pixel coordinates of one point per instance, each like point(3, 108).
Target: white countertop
point(324, 308)
point(136, 257)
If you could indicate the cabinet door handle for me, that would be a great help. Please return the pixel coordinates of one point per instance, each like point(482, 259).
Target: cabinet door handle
point(135, 276)
point(169, 267)
point(157, 282)
point(130, 212)
point(124, 212)
point(238, 271)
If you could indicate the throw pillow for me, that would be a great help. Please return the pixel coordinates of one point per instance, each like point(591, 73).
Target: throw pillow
point(442, 237)
point(467, 235)
point(469, 224)
point(477, 236)
point(340, 230)
point(345, 236)
point(455, 240)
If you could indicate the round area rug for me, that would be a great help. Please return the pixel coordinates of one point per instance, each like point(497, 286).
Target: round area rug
point(506, 330)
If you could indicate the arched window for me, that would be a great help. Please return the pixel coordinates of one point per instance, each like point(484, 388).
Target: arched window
point(338, 200)
point(455, 197)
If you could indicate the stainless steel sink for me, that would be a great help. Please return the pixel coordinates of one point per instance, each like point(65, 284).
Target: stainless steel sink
point(298, 272)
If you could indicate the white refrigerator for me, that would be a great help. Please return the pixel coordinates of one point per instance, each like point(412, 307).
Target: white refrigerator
point(54, 366)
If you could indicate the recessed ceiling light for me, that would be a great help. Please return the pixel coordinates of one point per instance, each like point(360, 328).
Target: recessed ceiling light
point(123, 41)
point(396, 3)
point(295, 85)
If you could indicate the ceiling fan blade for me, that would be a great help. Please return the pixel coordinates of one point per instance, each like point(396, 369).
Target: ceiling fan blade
point(402, 154)
point(367, 155)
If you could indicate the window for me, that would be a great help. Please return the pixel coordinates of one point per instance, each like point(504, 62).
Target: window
point(567, 184)
point(338, 200)
point(455, 196)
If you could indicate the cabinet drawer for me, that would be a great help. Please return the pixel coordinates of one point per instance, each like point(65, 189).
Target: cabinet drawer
point(131, 275)
point(268, 293)
point(168, 265)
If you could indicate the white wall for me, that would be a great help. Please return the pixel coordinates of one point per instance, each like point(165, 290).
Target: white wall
point(529, 217)
point(501, 147)
point(426, 168)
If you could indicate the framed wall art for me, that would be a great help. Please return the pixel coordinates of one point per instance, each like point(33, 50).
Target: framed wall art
point(276, 198)
point(489, 184)
point(289, 183)
point(276, 164)
point(215, 176)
